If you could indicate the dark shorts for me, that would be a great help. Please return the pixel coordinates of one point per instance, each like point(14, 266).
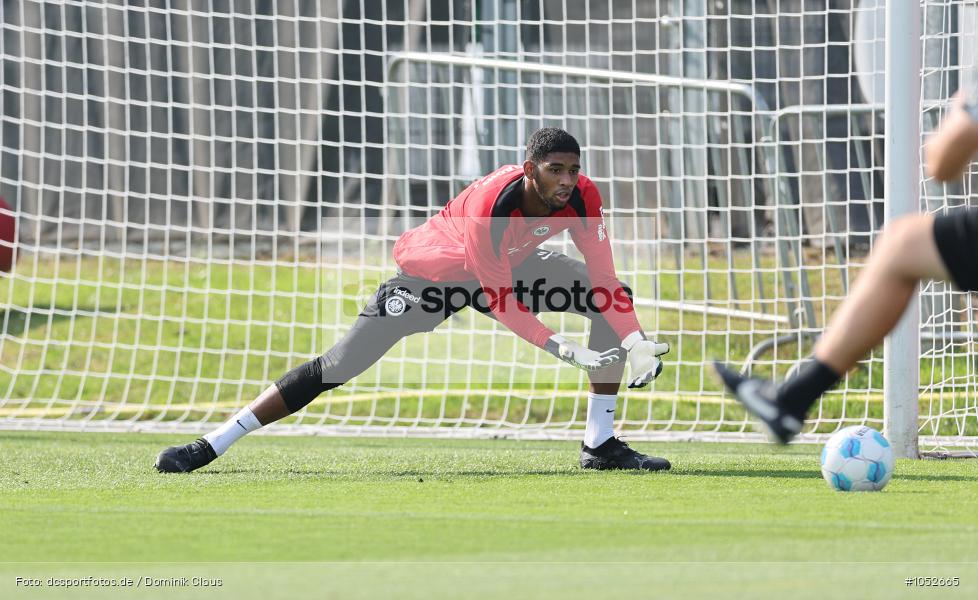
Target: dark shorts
point(956, 236)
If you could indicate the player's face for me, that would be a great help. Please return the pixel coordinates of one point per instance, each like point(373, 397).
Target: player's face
point(555, 177)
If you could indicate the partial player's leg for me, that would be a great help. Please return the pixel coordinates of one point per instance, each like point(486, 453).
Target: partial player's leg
point(907, 251)
point(393, 312)
point(600, 448)
point(559, 274)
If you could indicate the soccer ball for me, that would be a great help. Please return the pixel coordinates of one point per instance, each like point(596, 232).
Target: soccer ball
point(857, 459)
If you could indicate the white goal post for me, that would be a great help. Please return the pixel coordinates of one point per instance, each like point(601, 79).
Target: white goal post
point(205, 198)
point(901, 349)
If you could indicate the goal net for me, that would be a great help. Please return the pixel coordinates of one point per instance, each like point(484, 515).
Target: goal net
point(948, 370)
point(206, 198)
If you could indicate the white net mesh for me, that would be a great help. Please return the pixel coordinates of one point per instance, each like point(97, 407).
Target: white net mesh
point(948, 405)
point(205, 199)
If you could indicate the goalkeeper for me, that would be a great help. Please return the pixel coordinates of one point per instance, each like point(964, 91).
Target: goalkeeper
point(908, 250)
point(481, 251)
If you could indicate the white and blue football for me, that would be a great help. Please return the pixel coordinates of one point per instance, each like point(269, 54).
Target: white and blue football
point(857, 459)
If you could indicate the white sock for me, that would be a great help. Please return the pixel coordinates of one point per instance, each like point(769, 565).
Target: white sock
point(600, 419)
point(221, 438)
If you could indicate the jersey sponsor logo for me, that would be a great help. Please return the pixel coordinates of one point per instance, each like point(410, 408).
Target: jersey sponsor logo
point(395, 306)
point(601, 233)
point(542, 230)
point(407, 295)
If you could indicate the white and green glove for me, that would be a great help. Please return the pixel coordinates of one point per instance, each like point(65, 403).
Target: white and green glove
point(643, 359)
point(583, 358)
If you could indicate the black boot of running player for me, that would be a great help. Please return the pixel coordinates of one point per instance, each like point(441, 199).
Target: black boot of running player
point(615, 454)
point(183, 459)
point(760, 398)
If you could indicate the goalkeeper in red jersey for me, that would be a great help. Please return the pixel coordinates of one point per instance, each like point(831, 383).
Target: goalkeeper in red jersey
point(481, 251)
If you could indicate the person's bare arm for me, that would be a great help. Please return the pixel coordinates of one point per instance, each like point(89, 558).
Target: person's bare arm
point(949, 151)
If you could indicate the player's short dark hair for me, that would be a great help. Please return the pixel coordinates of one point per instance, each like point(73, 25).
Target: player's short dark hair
point(550, 139)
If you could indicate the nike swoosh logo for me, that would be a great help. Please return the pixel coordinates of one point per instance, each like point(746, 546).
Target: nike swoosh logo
point(609, 410)
point(748, 393)
point(238, 421)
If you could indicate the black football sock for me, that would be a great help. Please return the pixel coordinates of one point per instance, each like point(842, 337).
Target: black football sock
point(799, 393)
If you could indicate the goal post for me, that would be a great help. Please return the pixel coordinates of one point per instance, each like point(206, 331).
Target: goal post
point(206, 199)
point(902, 182)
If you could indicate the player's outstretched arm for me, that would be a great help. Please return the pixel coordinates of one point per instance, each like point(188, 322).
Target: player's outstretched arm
point(949, 151)
point(594, 243)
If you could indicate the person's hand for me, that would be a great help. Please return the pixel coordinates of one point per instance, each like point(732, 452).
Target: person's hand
point(643, 360)
point(583, 358)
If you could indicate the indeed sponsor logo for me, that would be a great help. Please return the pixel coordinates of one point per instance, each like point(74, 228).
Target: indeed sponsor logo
point(403, 293)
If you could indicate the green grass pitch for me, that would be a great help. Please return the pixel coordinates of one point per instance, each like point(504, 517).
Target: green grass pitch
point(352, 518)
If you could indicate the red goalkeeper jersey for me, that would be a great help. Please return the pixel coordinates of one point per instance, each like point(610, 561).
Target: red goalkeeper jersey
point(482, 235)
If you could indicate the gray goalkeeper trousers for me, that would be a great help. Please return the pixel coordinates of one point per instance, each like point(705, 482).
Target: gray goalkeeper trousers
point(546, 281)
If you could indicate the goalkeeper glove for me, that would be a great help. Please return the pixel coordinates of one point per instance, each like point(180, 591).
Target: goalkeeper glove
point(583, 358)
point(643, 359)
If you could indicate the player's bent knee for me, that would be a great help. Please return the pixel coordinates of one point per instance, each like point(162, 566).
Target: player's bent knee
point(303, 384)
point(904, 242)
point(909, 228)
